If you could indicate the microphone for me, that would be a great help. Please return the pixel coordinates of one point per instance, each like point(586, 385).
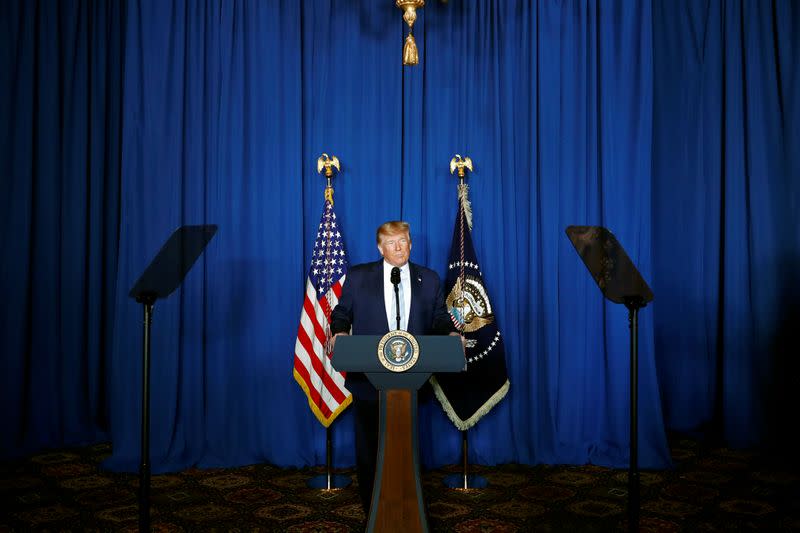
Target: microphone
point(394, 277)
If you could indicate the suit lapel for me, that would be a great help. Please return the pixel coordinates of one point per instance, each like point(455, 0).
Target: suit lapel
point(378, 286)
point(415, 282)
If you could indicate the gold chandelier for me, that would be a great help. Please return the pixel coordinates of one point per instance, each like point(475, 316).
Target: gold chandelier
point(409, 7)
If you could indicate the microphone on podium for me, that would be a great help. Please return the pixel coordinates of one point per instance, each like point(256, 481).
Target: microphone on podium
point(394, 277)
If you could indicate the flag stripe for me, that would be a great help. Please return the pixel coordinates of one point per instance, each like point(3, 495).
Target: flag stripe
point(313, 350)
point(312, 322)
point(320, 392)
point(337, 291)
point(321, 389)
point(337, 287)
point(315, 397)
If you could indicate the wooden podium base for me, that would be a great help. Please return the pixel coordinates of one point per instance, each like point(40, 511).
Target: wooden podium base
point(397, 503)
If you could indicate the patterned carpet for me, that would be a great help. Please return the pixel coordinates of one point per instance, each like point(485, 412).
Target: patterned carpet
point(710, 490)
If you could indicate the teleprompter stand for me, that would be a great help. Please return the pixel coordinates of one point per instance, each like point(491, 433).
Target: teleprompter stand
point(162, 276)
point(397, 502)
point(620, 282)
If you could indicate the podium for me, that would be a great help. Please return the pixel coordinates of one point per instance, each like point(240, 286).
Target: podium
point(620, 282)
point(162, 276)
point(397, 502)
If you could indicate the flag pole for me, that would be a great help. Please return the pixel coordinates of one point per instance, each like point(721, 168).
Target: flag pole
point(465, 454)
point(328, 481)
point(465, 481)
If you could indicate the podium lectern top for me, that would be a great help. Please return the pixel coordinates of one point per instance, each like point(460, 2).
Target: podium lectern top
point(357, 353)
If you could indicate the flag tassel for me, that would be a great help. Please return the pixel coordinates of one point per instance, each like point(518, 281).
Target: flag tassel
point(466, 205)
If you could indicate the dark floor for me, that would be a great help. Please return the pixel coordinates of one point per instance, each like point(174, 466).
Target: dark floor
point(709, 490)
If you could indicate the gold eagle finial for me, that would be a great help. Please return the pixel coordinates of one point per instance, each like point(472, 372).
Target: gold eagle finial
point(328, 163)
point(460, 163)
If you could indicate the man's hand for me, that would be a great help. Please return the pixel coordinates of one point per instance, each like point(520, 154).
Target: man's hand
point(463, 340)
point(333, 339)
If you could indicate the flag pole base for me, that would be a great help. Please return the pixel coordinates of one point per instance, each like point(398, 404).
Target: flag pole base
point(323, 482)
point(473, 481)
point(329, 480)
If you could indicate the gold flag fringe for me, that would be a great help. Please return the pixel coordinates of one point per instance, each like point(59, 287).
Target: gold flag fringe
point(464, 425)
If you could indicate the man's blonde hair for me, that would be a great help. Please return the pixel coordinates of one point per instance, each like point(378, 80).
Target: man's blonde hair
point(391, 228)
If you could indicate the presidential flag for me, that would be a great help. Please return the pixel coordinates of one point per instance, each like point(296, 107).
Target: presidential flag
point(323, 385)
point(467, 396)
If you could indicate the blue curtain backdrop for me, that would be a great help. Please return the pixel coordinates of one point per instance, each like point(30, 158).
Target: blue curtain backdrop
point(726, 212)
point(60, 103)
point(675, 124)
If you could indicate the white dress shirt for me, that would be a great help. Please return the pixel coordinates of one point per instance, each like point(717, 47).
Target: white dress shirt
point(388, 295)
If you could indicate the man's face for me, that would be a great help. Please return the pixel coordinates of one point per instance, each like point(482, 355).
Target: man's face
point(395, 248)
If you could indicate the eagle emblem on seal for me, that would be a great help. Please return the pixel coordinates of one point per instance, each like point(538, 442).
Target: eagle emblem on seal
point(470, 307)
point(399, 349)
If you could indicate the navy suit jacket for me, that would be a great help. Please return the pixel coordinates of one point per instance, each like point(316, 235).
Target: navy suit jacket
point(361, 306)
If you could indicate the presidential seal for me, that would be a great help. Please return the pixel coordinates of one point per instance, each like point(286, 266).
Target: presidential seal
point(398, 351)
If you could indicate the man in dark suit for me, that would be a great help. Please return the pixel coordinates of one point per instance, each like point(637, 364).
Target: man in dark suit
point(368, 305)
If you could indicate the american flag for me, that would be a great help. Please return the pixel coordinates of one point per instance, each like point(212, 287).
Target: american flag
point(323, 385)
